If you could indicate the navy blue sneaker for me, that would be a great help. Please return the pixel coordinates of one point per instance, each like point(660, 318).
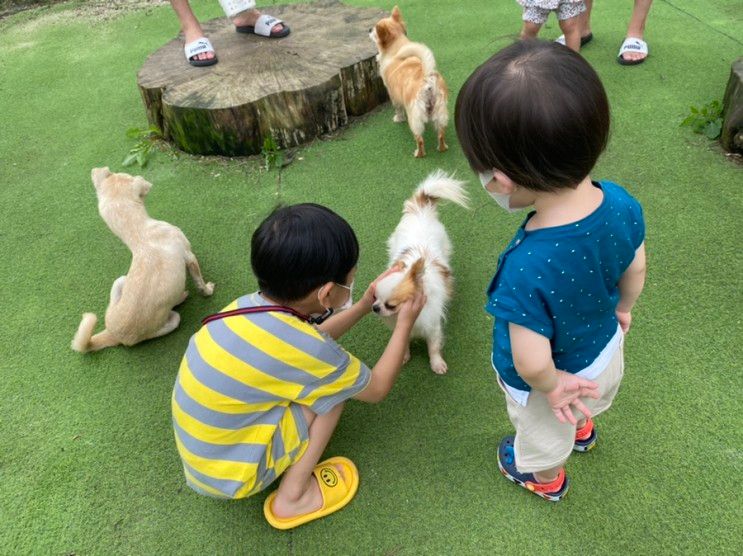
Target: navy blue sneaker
point(554, 491)
point(585, 438)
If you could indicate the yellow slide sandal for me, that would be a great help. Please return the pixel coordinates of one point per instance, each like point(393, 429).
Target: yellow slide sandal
point(337, 491)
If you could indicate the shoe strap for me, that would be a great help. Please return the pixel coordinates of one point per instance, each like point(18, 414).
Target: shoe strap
point(585, 432)
point(548, 488)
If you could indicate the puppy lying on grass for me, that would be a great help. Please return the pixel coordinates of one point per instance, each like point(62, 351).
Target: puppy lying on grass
point(141, 304)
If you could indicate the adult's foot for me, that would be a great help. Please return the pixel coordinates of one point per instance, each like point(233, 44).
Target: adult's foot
point(249, 18)
point(633, 56)
point(193, 33)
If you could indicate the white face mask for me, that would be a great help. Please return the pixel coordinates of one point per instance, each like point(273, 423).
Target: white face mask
point(316, 318)
point(503, 200)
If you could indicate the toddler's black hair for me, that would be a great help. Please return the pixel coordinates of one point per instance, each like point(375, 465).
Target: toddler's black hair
point(299, 248)
point(536, 111)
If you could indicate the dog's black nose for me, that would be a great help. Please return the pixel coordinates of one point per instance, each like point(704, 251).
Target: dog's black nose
point(370, 29)
point(375, 308)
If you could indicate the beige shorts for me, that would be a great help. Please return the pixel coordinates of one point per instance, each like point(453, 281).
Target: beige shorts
point(542, 442)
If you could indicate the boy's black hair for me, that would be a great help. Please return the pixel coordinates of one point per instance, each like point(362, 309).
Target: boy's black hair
point(299, 248)
point(536, 111)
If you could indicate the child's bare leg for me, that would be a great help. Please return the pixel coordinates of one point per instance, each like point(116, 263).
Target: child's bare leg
point(571, 30)
point(530, 30)
point(195, 271)
point(299, 493)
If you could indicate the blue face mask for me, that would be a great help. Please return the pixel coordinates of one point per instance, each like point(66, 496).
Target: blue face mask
point(503, 200)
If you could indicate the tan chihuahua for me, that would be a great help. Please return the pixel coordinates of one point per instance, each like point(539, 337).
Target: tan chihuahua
point(141, 303)
point(416, 89)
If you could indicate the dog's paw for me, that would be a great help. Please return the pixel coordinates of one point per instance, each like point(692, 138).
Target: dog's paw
point(398, 118)
point(439, 366)
point(419, 153)
point(443, 147)
point(208, 289)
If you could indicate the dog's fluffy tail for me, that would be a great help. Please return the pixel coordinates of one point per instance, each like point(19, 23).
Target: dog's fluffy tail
point(84, 341)
point(440, 185)
point(418, 50)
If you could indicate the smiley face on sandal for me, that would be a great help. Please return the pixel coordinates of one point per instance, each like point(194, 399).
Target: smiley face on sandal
point(328, 476)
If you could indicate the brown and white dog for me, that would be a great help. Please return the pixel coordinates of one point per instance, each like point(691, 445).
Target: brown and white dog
point(416, 89)
point(420, 248)
point(141, 303)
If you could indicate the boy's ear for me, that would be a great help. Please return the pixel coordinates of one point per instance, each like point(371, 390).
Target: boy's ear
point(323, 293)
point(396, 15)
point(507, 184)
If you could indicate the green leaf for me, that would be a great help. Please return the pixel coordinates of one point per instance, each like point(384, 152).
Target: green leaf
point(133, 133)
point(688, 120)
point(712, 129)
point(130, 159)
point(142, 159)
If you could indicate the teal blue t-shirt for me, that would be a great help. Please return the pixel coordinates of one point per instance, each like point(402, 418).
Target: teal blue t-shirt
point(561, 282)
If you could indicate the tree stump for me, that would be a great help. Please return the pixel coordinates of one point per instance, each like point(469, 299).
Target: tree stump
point(291, 89)
point(732, 110)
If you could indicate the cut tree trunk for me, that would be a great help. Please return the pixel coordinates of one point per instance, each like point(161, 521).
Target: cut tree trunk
point(291, 89)
point(732, 110)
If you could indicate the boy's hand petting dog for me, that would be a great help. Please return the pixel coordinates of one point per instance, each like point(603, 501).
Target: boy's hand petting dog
point(410, 309)
point(370, 296)
point(568, 392)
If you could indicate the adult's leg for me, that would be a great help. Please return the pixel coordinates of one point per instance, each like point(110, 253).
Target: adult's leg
point(530, 30)
point(299, 493)
point(190, 25)
point(636, 27)
point(584, 19)
point(571, 30)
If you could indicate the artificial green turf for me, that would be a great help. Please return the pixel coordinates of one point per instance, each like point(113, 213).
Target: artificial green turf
point(87, 459)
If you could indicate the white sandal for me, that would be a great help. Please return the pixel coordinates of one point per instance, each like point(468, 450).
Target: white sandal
point(632, 44)
point(199, 46)
point(263, 26)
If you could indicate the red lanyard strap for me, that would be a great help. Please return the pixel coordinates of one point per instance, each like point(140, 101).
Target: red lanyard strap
point(253, 310)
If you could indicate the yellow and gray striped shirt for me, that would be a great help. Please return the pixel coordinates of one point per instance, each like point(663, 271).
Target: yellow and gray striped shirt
point(236, 402)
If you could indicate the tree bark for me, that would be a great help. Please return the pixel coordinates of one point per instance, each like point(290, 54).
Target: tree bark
point(732, 110)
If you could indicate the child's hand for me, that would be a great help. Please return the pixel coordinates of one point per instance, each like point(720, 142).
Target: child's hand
point(410, 310)
point(569, 390)
point(625, 320)
point(369, 297)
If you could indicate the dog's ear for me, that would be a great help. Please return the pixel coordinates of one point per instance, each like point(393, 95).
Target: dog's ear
point(396, 15)
point(141, 187)
point(98, 175)
point(417, 270)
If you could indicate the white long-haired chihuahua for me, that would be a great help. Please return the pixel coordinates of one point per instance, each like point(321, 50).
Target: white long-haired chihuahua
point(420, 249)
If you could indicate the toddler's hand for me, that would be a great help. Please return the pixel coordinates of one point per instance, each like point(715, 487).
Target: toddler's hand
point(410, 310)
point(370, 295)
point(625, 320)
point(569, 390)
